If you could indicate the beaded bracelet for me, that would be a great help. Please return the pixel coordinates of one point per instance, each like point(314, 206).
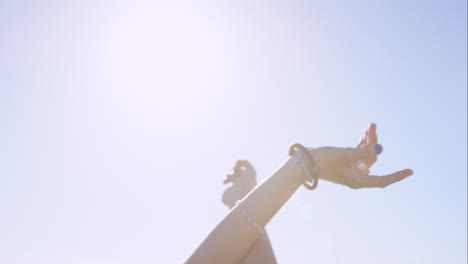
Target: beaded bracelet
point(307, 163)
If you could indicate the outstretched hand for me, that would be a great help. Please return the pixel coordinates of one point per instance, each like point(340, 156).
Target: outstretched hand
point(339, 164)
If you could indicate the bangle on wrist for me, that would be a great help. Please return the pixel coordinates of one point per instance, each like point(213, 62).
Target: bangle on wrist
point(310, 167)
point(252, 222)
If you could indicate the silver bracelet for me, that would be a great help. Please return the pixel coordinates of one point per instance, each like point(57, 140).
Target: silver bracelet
point(310, 167)
point(300, 159)
point(257, 228)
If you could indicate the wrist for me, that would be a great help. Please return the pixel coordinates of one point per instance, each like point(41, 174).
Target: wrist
point(298, 175)
point(303, 157)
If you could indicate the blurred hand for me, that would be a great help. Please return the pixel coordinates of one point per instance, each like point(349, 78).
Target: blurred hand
point(339, 164)
point(244, 179)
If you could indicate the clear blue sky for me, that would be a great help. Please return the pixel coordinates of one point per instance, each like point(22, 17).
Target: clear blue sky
point(119, 121)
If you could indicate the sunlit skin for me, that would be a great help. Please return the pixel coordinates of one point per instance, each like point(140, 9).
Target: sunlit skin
point(231, 240)
point(338, 165)
point(244, 179)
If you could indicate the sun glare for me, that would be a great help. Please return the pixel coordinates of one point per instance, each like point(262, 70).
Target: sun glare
point(170, 60)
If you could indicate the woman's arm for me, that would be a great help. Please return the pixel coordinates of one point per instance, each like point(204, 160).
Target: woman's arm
point(260, 252)
point(244, 179)
point(231, 239)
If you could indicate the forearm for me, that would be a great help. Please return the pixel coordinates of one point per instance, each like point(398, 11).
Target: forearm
point(230, 241)
point(261, 251)
point(267, 198)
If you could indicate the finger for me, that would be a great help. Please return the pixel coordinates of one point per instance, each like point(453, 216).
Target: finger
point(369, 136)
point(361, 142)
point(366, 134)
point(229, 178)
point(372, 134)
point(371, 139)
point(351, 155)
point(383, 181)
point(371, 161)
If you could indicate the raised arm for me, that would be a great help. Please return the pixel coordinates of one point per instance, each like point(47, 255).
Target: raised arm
point(243, 180)
point(232, 238)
